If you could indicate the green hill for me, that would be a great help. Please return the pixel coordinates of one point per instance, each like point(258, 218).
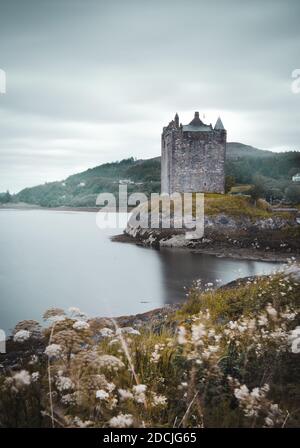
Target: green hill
point(245, 163)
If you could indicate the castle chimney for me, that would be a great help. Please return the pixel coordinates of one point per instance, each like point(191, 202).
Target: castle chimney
point(196, 120)
point(176, 120)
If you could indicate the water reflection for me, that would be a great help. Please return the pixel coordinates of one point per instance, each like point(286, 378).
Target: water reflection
point(180, 268)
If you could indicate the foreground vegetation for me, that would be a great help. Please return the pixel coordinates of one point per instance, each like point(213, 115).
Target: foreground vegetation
point(228, 358)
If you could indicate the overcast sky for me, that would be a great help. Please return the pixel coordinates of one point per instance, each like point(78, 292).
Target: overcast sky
point(93, 81)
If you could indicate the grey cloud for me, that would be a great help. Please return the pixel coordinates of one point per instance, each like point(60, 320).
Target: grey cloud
point(93, 81)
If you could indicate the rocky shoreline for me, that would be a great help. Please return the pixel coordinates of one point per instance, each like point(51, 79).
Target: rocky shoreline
point(219, 250)
point(233, 228)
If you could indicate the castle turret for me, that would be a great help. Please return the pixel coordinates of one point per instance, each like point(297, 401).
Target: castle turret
point(176, 119)
point(219, 125)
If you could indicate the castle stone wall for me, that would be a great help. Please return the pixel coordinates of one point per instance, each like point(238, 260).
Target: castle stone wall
point(193, 161)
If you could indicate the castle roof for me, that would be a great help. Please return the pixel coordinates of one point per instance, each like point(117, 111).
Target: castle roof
point(196, 125)
point(219, 125)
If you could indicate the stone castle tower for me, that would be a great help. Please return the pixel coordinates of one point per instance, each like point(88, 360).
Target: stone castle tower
point(193, 157)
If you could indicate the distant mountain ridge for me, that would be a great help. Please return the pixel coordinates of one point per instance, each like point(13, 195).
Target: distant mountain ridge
point(81, 189)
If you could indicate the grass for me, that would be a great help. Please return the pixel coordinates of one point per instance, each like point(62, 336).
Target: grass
point(242, 188)
point(235, 206)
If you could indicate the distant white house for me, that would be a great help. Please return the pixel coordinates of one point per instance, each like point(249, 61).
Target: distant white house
point(82, 184)
point(126, 182)
point(296, 178)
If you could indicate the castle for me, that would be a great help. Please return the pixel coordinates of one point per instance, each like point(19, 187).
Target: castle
point(193, 157)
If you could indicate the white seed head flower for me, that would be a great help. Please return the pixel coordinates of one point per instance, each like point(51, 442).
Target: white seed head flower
point(21, 336)
point(159, 400)
point(140, 388)
point(121, 421)
point(53, 350)
point(102, 394)
point(139, 393)
point(22, 378)
point(81, 325)
point(198, 332)
point(110, 387)
point(294, 339)
point(262, 320)
point(242, 392)
point(125, 394)
point(269, 422)
point(110, 362)
point(64, 383)
point(74, 310)
point(69, 399)
point(128, 330)
point(181, 335)
point(35, 376)
point(271, 311)
point(106, 332)
point(255, 393)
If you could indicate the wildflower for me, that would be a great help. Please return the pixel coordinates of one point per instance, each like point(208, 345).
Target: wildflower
point(139, 393)
point(64, 383)
point(68, 399)
point(35, 376)
point(121, 421)
point(140, 388)
point(262, 320)
point(159, 400)
point(53, 350)
point(110, 387)
point(34, 359)
point(198, 332)
point(181, 336)
point(294, 338)
point(21, 336)
point(112, 403)
point(110, 362)
point(54, 314)
point(155, 356)
point(106, 332)
point(22, 378)
point(128, 330)
point(271, 311)
point(288, 315)
point(74, 310)
point(80, 424)
point(241, 393)
point(81, 325)
point(125, 394)
point(269, 422)
point(102, 394)
point(255, 393)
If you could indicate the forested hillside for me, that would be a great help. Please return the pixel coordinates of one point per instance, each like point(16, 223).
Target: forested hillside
point(270, 172)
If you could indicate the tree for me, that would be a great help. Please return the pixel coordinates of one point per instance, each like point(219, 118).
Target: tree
point(5, 197)
point(229, 183)
point(292, 193)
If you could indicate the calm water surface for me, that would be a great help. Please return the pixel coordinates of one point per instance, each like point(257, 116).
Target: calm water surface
point(62, 259)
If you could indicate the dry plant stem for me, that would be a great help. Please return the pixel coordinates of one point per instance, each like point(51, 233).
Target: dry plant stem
point(54, 419)
point(188, 410)
point(126, 351)
point(286, 419)
point(49, 380)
